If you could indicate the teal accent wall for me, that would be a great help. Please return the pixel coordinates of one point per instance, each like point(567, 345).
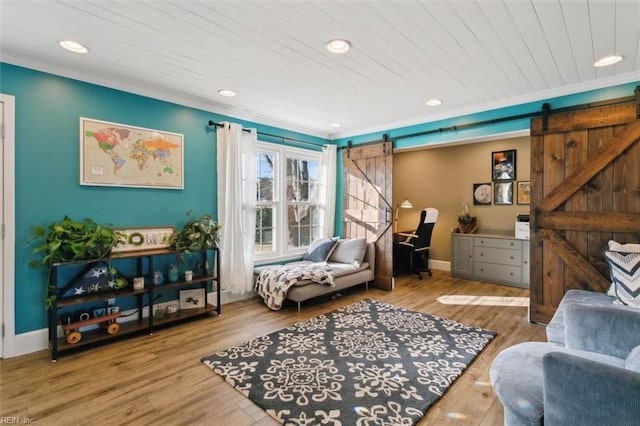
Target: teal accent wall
point(47, 149)
point(591, 96)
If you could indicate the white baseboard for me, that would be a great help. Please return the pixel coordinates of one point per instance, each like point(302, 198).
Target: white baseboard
point(441, 265)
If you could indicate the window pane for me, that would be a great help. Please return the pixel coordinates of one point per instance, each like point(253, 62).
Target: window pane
point(264, 188)
point(264, 229)
point(297, 180)
point(299, 221)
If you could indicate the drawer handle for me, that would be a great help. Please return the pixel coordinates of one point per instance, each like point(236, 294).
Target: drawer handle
point(481, 269)
point(511, 257)
point(511, 273)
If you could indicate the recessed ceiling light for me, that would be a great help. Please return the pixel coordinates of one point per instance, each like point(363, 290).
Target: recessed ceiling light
point(607, 60)
point(434, 102)
point(338, 45)
point(73, 46)
point(336, 125)
point(226, 92)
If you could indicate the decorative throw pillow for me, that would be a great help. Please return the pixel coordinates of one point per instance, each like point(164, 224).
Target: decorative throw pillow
point(625, 276)
point(320, 250)
point(350, 251)
point(624, 248)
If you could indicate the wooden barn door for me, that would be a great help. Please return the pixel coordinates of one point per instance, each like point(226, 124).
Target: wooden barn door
point(367, 207)
point(585, 191)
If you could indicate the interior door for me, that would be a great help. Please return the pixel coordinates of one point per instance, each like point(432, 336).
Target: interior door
point(367, 207)
point(585, 191)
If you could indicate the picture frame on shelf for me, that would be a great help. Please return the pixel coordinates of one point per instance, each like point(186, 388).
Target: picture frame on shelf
point(503, 193)
point(144, 238)
point(503, 165)
point(523, 192)
point(192, 298)
point(482, 194)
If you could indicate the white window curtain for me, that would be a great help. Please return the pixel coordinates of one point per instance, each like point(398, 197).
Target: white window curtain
point(328, 189)
point(236, 151)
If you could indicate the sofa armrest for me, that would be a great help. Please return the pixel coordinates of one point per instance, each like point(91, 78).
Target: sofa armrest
point(580, 391)
point(602, 329)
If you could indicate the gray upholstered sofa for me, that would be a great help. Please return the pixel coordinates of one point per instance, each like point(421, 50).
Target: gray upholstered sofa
point(348, 269)
point(588, 373)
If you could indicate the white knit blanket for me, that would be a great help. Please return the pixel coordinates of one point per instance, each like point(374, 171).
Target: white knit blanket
point(274, 282)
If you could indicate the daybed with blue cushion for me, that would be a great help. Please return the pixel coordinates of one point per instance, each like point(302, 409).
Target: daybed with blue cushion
point(351, 262)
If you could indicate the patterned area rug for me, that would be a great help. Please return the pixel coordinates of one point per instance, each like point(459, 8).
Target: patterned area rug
point(366, 363)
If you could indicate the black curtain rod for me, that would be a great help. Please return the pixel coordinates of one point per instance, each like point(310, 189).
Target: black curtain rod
point(545, 111)
point(213, 123)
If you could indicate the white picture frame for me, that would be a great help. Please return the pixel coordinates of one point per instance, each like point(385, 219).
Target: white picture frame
point(192, 298)
point(144, 238)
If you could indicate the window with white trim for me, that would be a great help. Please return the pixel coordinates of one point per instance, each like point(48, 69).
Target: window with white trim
point(287, 195)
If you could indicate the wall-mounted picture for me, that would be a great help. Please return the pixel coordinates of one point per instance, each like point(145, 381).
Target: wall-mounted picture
point(113, 154)
point(503, 193)
point(524, 192)
point(503, 165)
point(481, 194)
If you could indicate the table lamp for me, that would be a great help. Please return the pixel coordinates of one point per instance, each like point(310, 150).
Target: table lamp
point(406, 204)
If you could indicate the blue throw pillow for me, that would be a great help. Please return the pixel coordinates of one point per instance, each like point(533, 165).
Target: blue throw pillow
point(320, 250)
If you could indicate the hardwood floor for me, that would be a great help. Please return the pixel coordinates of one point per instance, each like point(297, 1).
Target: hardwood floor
point(159, 379)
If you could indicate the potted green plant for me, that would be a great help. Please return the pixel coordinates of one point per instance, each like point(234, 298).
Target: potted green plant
point(199, 233)
point(69, 240)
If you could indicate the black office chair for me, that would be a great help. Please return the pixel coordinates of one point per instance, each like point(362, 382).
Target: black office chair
point(418, 243)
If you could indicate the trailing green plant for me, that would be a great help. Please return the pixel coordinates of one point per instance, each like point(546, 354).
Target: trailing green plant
point(197, 234)
point(68, 240)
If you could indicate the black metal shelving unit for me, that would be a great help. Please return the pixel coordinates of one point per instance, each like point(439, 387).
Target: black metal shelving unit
point(144, 267)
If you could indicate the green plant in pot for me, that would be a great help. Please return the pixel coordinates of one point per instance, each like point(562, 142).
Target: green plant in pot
point(197, 234)
point(69, 240)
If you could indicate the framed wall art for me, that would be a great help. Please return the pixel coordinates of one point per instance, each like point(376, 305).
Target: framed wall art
point(481, 194)
point(524, 192)
point(503, 193)
point(503, 165)
point(113, 154)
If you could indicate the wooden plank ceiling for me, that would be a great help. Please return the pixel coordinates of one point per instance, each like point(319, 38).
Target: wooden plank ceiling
point(474, 55)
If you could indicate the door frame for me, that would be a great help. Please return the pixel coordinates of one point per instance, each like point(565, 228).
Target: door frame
point(7, 288)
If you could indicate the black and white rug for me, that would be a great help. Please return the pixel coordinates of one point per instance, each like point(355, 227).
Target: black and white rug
point(369, 363)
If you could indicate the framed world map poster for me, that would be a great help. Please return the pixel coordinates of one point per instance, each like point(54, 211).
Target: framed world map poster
point(113, 154)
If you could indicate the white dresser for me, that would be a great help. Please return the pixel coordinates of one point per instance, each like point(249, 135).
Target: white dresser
point(493, 258)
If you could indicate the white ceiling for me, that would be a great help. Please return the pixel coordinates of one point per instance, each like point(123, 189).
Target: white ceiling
point(474, 55)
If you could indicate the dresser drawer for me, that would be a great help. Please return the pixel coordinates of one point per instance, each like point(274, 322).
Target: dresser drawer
point(491, 271)
point(497, 255)
point(497, 243)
